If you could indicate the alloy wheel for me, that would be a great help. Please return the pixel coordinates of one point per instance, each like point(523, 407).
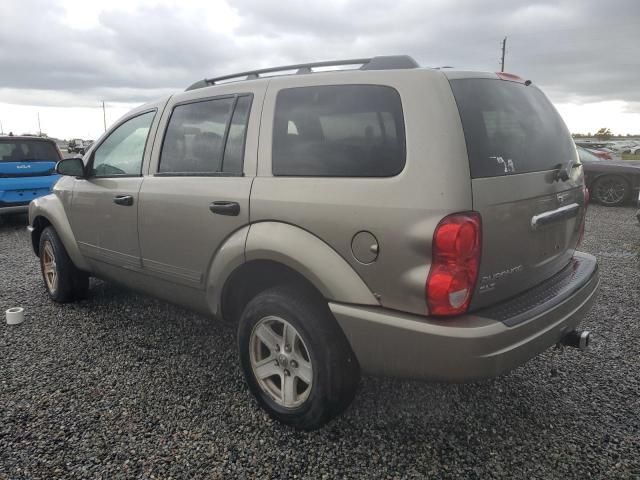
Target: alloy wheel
point(281, 362)
point(49, 268)
point(611, 191)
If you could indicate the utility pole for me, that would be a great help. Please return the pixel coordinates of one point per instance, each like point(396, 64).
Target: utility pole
point(1, 129)
point(39, 128)
point(104, 116)
point(504, 47)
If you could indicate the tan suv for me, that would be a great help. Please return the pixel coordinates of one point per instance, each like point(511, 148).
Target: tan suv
point(388, 219)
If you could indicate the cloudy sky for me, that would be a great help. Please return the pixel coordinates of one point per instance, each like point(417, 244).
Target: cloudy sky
point(61, 58)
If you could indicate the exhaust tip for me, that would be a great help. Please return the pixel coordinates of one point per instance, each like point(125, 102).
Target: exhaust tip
point(580, 339)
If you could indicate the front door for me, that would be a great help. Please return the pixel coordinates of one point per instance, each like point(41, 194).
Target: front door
point(104, 208)
point(197, 193)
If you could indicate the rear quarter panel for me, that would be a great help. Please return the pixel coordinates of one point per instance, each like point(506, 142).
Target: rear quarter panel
point(402, 211)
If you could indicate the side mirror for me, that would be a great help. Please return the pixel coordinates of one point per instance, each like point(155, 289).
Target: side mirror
point(72, 167)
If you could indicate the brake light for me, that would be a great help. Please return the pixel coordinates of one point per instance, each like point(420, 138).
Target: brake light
point(510, 77)
point(584, 217)
point(455, 261)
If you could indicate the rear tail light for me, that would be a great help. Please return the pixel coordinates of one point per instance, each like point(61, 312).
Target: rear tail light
point(584, 216)
point(509, 77)
point(455, 263)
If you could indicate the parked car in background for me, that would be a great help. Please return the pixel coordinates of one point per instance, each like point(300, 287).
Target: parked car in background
point(76, 146)
point(27, 170)
point(602, 154)
point(632, 150)
point(387, 219)
point(591, 145)
point(611, 183)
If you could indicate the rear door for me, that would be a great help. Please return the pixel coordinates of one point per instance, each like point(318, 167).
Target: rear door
point(197, 191)
point(517, 145)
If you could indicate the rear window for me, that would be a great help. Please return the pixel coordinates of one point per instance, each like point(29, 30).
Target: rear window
point(338, 131)
point(27, 150)
point(510, 128)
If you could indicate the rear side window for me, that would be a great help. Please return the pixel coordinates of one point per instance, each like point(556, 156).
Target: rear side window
point(24, 150)
point(338, 131)
point(510, 128)
point(206, 137)
point(234, 150)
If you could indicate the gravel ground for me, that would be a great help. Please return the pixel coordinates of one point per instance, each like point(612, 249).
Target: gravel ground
point(124, 386)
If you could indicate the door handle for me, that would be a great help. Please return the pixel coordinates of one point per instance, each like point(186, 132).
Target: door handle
point(231, 209)
point(126, 200)
point(557, 215)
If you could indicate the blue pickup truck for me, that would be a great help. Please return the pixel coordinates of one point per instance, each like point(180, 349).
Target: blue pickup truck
point(27, 171)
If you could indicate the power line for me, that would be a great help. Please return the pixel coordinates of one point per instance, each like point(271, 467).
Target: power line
point(104, 116)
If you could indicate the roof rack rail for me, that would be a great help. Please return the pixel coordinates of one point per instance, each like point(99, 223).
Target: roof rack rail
point(375, 63)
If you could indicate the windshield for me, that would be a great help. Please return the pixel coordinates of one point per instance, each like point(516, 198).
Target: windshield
point(21, 150)
point(510, 128)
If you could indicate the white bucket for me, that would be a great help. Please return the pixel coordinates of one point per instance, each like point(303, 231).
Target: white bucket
point(15, 315)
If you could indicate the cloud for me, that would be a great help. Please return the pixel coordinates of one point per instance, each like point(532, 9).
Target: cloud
point(577, 51)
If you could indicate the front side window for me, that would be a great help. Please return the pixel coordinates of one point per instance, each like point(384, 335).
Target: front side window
point(338, 131)
point(123, 150)
point(206, 137)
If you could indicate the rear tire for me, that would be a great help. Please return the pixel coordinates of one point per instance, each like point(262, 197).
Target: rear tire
point(611, 190)
point(296, 360)
point(62, 280)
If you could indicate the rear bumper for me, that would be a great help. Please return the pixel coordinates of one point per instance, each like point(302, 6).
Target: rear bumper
point(468, 347)
point(14, 209)
point(17, 192)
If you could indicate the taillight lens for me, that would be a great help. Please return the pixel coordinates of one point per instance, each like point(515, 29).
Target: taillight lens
point(584, 216)
point(510, 77)
point(454, 264)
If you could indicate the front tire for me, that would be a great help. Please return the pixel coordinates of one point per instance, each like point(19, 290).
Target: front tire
point(611, 190)
point(296, 360)
point(62, 280)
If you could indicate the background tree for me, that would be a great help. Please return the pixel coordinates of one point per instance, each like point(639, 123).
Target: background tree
point(604, 134)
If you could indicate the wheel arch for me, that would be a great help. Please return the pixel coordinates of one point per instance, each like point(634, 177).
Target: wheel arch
point(38, 225)
point(253, 277)
point(273, 253)
point(49, 211)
